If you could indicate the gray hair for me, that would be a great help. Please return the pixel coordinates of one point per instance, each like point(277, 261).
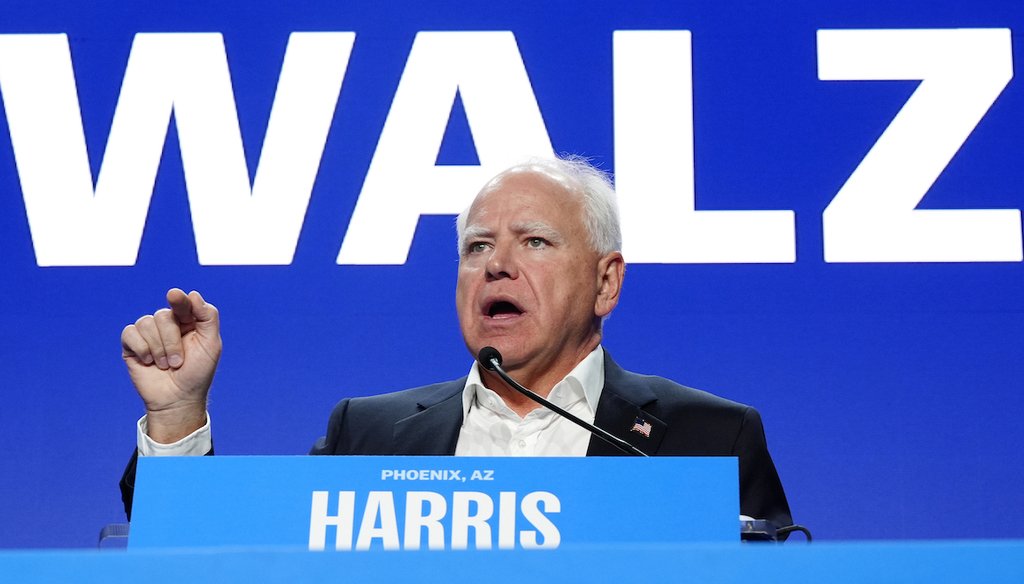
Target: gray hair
point(600, 209)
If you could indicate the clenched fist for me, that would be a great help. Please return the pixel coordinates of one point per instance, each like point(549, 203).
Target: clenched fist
point(171, 356)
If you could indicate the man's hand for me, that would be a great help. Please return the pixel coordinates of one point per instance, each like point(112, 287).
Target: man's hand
point(171, 357)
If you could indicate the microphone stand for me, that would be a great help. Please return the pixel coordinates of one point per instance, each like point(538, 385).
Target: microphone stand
point(490, 359)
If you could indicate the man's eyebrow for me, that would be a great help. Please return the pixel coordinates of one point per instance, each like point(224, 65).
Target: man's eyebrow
point(538, 228)
point(475, 231)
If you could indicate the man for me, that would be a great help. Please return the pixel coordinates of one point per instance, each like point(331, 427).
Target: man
point(539, 269)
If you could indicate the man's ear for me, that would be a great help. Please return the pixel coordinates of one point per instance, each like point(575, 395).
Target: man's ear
point(611, 269)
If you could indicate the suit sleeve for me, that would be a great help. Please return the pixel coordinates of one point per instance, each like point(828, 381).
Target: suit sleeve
point(128, 484)
point(330, 443)
point(761, 494)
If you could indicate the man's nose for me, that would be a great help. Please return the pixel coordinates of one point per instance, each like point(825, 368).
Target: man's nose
point(502, 264)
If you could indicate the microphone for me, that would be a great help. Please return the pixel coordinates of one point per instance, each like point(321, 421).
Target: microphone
point(490, 359)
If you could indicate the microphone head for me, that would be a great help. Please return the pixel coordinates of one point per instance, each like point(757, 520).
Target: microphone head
point(485, 356)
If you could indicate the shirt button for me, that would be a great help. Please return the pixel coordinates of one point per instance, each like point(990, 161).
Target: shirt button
point(521, 443)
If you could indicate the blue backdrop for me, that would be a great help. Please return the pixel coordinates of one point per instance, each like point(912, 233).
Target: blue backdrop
point(890, 386)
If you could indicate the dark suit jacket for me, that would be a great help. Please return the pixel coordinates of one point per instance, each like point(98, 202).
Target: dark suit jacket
point(685, 422)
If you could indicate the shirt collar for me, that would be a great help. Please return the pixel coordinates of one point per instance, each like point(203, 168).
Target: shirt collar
point(587, 376)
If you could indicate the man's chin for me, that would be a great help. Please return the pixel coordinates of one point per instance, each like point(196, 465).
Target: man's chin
point(512, 353)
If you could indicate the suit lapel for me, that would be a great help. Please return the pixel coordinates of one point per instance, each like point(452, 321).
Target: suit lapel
point(621, 406)
point(434, 430)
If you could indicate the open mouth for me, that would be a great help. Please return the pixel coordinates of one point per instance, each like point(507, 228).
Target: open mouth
point(502, 309)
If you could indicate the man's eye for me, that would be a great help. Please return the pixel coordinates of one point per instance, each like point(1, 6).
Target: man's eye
point(536, 242)
point(477, 247)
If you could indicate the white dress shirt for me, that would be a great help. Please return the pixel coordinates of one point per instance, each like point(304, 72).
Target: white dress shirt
point(489, 426)
point(197, 443)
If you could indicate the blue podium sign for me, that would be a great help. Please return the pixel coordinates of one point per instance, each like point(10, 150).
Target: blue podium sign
point(414, 503)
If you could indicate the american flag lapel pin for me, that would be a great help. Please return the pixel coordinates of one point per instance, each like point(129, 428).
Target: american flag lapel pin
point(641, 426)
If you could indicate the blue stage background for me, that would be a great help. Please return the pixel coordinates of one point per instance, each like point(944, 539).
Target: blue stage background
point(890, 391)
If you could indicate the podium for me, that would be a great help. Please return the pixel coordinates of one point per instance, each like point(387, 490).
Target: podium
point(255, 519)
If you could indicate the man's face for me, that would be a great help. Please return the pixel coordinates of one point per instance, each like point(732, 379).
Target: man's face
point(530, 284)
